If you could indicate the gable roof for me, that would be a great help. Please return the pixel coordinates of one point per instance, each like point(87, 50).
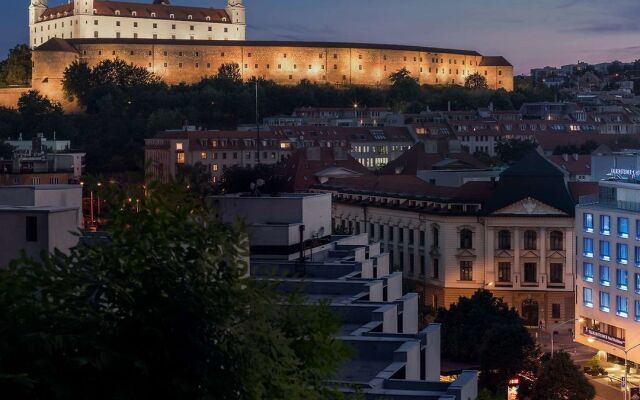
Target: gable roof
point(495, 61)
point(536, 177)
point(57, 44)
point(417, 159)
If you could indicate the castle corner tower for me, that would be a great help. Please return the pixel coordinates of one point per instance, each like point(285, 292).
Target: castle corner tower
point(36, 9)
point(237, 13)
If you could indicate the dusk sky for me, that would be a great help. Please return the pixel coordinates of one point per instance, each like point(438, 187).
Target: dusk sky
point(529, 33)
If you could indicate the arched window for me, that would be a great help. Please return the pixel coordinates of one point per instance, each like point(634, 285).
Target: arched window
point(530, 240)
point(172, 16)
point(436, 236)
point(134, 13)
point(153, 15)
point(189, 17)
point(208, 18)
point(557, 239)
point(117, 12)
point(466, 239)
point(504, 240)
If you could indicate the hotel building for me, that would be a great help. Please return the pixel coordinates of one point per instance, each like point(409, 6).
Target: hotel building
point(608, 281)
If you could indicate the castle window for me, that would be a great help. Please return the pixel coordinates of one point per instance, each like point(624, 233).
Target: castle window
point(405, 58)
point(224, 19)
point(290, 77)
point(335, 56)
point(222, 54)
point(153, 15)
point(197, 65)
point(256, 66)
point(279, 66)
point(155, 36)
point(360, 56)
point(384, 57)
point(99, 52)
point(117, 12)
point(360, 67)
point(189, 17)
point(415, 59)
point(164, 53)
point(499, 72)
point(155, 26)
point(134, 14)
point(335, 66)
point(95, 34)
point(249, 55)
point(150, 53)
point(180, 65)
point(180, 54)
point(135, 24)
point(173, 26)
point(208, 19)
point(268, 66)
point(226, 30)
point(310, 67)
point(131, 53)
point(117, 23)
point(192, 27)
point(172, 16)
point(295, 66)
point(320, 56)
point(210, 29)
point(135, 35)
point(285, 55)
point(208, 65)
point(246, 66)
point(165, 65)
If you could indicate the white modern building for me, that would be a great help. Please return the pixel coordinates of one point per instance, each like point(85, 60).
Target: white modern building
point(84, 19)
point(392, 358)
point(38, 219)
point(608, 282)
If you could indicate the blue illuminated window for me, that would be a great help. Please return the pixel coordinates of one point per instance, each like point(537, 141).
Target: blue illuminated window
point(587, 222)
point(637, 311)
point(638, 229)
point(605, 303)
point(587, 272)
point(588, 247)
point(605, 278)
point(622, 306)
point(623, 227)
point(637, 256)
point(622, 251)
point(587, 297)
point(605, 250)
point(622, 279)
point(637, 283)
point(605, 225)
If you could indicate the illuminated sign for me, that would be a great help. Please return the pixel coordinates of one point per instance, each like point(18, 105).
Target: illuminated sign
point(512, 391)
point(629, 173)
point(603, 336)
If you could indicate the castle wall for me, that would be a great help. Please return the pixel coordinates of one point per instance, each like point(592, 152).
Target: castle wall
point(9, 96)
point(184, 62)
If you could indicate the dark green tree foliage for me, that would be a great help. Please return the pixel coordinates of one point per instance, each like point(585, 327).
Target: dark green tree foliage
point(511, 150)
point(16, 69)
point(40, 115)
point(483, 329)
point(264, 179)
point(476, 81)
point(6, 150)
point(586, 148)
point(404, 90)
point(163, 310)
point(559, 378)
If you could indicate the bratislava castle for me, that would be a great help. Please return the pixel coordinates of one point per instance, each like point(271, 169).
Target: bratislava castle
point(81, 19)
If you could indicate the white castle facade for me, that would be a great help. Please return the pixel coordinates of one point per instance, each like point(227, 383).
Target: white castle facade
point(83, 19)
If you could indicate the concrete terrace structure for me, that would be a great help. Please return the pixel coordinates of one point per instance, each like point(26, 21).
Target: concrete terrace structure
point(292, 245)
point(608, 260)
point(37, 219)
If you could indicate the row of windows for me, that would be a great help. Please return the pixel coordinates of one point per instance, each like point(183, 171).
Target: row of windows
point(530, 273)
point(604, 303)
point(623, 225)
point(622, 277)
point(422, 235)
point(235, 155)
point(622, 251)
point(531, 240)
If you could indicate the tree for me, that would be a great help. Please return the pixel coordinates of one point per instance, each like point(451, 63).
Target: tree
point(512, 150)
point(559, 378)
point(476, 81)
point(229, 72)
point(40, 114)
point(6, 151)
point(16, 69)
point(483, 329)
point(404, 89)
point(162, 310)
point(263, 178)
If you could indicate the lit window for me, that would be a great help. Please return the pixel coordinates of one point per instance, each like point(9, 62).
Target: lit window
point(605, 224)
point(622, 255)
point(605, 252)
point(587, 222)
point(587, 247)
point(203, 155)
point(179, 146)
point(605, 279)
point(622, 279)
point(622, 306)
point(587, 297)
point(623, 227)
point(587, 272)
point(605, 302)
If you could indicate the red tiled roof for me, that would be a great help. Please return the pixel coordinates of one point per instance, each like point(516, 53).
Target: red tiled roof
point(394, 184)
point(495, 61)
point(579, 189)
point(416, 159)
point(161, 11)
point(575, 164)
point(550, 140)
point(302, 168)
point(360, 134)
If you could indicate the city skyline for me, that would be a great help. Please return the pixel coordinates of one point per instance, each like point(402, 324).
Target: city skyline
point(555, 33)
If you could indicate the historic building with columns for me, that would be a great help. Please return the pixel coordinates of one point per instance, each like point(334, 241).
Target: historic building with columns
point(514, 237)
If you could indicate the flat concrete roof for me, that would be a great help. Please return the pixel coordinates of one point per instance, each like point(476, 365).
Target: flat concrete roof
point(31, 209)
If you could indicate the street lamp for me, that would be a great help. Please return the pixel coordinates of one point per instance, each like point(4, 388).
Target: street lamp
point(626, 371)
point(581, 320)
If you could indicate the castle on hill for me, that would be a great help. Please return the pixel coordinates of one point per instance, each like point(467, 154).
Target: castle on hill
point(184, 44)
point(81, 19)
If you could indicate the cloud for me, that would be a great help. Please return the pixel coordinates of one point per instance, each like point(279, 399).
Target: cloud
point(607, 27)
